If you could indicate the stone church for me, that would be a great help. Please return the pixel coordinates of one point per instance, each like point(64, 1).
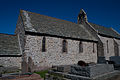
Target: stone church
point(41, 42)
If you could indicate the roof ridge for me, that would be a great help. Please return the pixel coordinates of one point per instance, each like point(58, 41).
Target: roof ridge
point(100, 25)
point(115, 31)
point(54, 26)
point(106, 30)
point(47, 16)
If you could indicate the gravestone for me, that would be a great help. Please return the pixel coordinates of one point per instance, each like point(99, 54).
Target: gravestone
point(116, 60)
point(101, 60)
point(77, 72)
point(24, 67)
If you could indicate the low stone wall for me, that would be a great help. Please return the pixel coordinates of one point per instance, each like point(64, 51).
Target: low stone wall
point(75, 72)
point(92, 71)
point(10, 62)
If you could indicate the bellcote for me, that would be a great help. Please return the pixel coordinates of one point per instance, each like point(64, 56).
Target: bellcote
point(82, 17)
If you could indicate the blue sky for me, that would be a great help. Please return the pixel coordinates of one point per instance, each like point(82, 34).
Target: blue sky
point(102, 12)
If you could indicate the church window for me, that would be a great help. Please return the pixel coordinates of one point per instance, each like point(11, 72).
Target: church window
point(80, 47)
point(43, 44)
point(64, 46)
point(116, 48)
point(107, 47)
point(93, 47)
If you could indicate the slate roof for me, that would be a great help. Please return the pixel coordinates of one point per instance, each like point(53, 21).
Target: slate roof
point(37, 23)
point(9, 45)
point(105, 31)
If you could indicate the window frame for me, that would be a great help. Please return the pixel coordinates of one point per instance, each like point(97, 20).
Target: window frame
point(44, 44)
point(64, 46)
point(80, 47)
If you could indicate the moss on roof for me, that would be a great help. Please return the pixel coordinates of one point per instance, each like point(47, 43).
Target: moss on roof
point(105, 31)
point(54, 26)
point(9, 45)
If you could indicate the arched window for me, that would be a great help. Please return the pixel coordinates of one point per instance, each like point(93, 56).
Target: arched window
point(107, 47)
point(93, 47)
point(43, 44)
point(80, 47)
point(64, 43)
point(116, 48)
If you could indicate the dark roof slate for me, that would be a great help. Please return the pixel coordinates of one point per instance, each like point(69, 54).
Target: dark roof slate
point(9, 45)
point(43, 24)
point(105, 31)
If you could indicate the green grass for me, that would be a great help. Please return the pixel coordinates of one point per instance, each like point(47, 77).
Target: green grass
point(42, 73)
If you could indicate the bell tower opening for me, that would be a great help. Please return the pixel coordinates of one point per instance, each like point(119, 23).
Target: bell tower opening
point(82, 17)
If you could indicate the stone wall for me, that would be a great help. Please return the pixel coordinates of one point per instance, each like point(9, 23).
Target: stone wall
point(20, 32)
point(108, 48)
point(100, 48)
point(10, 62)
point(118, 42)
point(76, 72)
point(54, 54)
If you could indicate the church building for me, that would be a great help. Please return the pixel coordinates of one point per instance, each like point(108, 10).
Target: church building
point(41, 42)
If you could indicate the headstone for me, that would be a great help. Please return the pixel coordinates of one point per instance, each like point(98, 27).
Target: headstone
point(24, 67)
point(101, 60)
point(116, 60)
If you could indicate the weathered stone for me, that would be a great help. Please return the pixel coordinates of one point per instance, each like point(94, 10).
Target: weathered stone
point(108, 45)
point(24, 67)
point(10, 62)
point(54, 54)
point(80, 70)
point(9, 69)
point(64, 68)
point(118, 46)
point(116, 60)
point(101, 60)
point(92, 71)
point(100, 69)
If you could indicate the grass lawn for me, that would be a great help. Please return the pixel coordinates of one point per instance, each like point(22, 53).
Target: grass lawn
point(42, 73)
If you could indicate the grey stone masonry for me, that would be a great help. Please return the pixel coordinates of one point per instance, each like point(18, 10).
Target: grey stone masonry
point(80, 70)
point(76, 72)
point(100, 69)
point(10, 62)
point(91, 71)
point(108, 45)
point(20, 32)
point(54, 55)
point(116, 60)
point(118, 45)
point(64, 68)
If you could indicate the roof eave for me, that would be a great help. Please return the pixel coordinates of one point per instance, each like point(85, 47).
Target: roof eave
point(108, 36)
point(8, 55)
point(64, 37)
